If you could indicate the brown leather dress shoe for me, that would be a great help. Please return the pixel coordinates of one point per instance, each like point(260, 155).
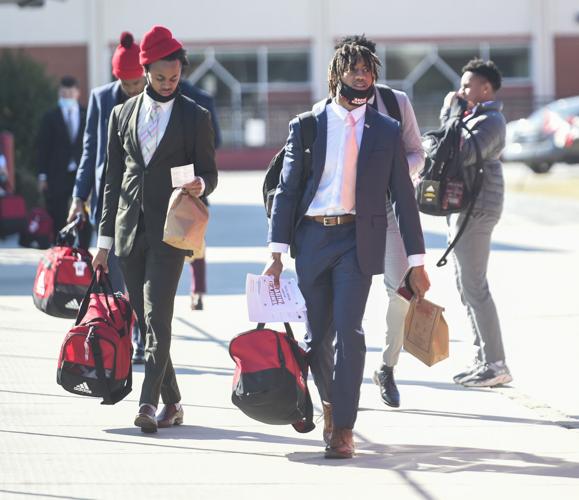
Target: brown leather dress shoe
point(328, 422)
point(146, 420)
point(170, 416)
point(341, 444)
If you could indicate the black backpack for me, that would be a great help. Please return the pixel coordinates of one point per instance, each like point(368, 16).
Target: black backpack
point(445, 185)
point(389, 100)
point(271, 181)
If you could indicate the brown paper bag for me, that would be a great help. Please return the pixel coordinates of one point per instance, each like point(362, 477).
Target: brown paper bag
point(186, 222)
point(426, 332)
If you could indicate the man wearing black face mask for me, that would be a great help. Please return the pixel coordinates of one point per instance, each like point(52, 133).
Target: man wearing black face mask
point(336, 228)
point(164, 129)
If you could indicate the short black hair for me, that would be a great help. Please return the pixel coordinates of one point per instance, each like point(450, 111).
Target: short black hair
point(68, 82)
point(487, 69)
point(356, 40)
point(178, 55)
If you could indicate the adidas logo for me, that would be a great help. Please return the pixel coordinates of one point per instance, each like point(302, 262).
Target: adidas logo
point(83, 388)
point(72, 304)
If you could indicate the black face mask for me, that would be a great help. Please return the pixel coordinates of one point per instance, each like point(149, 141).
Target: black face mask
point(354, 96)
point(153, 94)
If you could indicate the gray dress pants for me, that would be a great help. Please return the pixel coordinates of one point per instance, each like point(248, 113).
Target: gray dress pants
point(471, 256)
point(152, 277)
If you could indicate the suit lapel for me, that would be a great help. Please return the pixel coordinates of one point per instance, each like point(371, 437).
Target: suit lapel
point(133, 129)
point(62, 124)
point(319, 146)
point(368, 137)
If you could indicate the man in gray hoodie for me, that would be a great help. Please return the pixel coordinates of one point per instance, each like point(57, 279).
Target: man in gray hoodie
point(479, 83)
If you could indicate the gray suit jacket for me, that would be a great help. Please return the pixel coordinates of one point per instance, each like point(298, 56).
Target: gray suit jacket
point(131, 188)
point(489, 127)
point(381, 169)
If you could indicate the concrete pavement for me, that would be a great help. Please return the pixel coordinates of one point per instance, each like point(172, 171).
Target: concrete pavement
point(444, 442)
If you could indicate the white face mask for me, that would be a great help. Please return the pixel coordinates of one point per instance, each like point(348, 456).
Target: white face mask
point(67, 102)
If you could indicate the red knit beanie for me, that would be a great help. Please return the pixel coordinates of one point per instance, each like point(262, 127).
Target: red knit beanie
point(157, 43)
point(126, 59)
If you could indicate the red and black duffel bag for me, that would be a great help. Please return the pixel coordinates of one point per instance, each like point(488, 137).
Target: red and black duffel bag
point(270, 379)
point(39, 230)
point(63, 276)
point(95, 357)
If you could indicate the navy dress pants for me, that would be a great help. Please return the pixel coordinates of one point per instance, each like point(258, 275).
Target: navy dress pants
point(336, 292)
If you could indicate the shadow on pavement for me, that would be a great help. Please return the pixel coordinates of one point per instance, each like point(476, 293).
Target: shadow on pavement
point(446, 460)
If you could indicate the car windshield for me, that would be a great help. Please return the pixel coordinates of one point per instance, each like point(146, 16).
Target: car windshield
point(563, 107)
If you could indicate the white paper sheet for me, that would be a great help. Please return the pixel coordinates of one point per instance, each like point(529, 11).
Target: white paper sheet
point(182, 175)
point(266, 304)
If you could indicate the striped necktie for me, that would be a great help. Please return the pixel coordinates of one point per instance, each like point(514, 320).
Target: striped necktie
point(349, 169)
point(148, 134)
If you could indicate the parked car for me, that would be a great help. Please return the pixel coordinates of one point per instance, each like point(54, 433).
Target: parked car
point(548, 136)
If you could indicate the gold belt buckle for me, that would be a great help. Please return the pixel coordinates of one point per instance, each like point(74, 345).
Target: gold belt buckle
point(330, 221)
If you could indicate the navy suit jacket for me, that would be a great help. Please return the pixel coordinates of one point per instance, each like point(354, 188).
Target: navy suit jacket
point(382, 169)
point(91, 170)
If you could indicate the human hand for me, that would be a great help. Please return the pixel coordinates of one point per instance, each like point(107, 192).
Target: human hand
point(76, 208)
point(419, 281)
point(448, 100)
point(274, 268)
point(194, 188)
point(101, 259)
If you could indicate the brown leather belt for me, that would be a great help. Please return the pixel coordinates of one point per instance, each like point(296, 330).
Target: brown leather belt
point(332, 220)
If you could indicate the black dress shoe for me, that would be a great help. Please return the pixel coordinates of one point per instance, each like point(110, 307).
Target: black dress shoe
point(384, 378)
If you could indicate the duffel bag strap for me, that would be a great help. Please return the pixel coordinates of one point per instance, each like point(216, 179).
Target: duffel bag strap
point(109, 398)
point(288, 329)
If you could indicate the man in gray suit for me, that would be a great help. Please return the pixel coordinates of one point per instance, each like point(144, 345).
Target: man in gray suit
point(478, 85)
point(162, 129)
point(336, 228)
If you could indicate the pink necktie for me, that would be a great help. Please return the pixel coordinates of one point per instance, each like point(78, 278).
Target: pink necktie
point(349, 170)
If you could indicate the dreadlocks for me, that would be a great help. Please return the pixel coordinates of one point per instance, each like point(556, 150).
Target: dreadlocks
point(345, 59)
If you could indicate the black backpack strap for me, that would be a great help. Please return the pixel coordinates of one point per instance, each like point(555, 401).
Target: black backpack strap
point(476, 188)
point(390, 101)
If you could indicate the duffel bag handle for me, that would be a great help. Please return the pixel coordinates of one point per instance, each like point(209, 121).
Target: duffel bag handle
point(288, 329)
point(101, 279)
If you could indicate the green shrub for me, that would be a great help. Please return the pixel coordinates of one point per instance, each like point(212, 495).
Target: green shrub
point(26, 93)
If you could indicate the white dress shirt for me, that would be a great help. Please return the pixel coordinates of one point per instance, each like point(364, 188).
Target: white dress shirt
point(71, 116)
point(326, 201)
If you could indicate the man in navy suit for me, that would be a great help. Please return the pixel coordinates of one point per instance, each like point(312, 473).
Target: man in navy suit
point(336, 229)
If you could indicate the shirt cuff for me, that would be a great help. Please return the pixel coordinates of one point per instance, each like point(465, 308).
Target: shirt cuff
point(202, 186)
point(105, 242)
point(278, 247)
point(416, 260)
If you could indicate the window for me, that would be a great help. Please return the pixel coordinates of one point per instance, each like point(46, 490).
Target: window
point(457, 57)
point(242, 65)
point(288, 66)
point(402, 59)
point(513, 61)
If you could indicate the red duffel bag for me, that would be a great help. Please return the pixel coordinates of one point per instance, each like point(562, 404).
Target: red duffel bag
point(95, 357)
point(63, 276)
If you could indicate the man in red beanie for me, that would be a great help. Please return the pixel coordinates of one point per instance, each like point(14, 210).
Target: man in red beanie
point(153, 132)
point(90, 174)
